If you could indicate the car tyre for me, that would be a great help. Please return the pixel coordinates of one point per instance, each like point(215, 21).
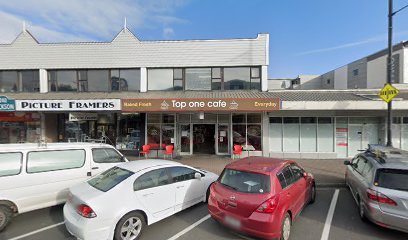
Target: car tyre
point(130, 226)
point(312, 194)
point(5, 216)
point(361, 210)
point(286, 227)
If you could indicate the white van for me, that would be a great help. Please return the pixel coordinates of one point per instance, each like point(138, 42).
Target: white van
point(34, 176)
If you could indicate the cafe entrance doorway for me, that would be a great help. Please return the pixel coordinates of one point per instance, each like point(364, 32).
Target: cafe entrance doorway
point(204, 138)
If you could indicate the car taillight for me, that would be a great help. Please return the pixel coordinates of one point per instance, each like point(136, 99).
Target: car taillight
point(379, 197)
point(269, 205)
point(86, 211)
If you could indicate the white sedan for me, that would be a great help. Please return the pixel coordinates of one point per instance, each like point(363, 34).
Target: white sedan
point(120, 202)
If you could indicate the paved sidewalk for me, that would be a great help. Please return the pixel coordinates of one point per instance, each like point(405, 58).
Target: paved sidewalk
point(327, 172)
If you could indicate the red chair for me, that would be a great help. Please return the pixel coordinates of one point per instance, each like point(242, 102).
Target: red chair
point(169, 151)
point(145, 150)
point(237, 151)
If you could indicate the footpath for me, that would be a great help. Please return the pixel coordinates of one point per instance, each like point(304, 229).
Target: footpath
point(327, 172)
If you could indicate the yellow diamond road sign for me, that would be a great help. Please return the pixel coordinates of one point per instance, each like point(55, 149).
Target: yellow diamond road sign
point(388, 93)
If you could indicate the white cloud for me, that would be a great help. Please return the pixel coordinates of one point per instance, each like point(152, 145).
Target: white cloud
point(352, 44)
point(61, 20)
point(347, 45)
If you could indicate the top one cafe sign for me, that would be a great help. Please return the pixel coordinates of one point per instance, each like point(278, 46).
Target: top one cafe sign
point(201, 104)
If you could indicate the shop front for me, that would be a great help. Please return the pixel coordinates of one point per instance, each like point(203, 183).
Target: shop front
point(92, 120)
point(17, 127)
point(203, 126)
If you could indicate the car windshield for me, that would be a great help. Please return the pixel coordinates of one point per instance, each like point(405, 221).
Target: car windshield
point(110, 178)
point(393, 179)
point(246, 182)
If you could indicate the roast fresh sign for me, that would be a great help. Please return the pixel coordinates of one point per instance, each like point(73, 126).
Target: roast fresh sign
point(68, 105)
point(210, 105)
point(6, 104)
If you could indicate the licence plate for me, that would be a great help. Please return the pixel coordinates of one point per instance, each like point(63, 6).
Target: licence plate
point(233, 222)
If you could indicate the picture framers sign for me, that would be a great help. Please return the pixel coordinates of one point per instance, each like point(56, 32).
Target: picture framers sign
point(68, 105)
point(202, 105)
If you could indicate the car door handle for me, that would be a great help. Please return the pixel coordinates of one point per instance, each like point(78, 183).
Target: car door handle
point(94, 168)
point(178, 187)
point(147, 194)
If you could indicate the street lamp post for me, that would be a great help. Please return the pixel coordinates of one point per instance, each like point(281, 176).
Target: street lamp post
point(389, 67)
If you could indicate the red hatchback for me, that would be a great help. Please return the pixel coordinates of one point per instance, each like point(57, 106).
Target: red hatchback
point(261, 196)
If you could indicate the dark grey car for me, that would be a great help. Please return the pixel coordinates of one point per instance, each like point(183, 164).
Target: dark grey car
point(378, 180)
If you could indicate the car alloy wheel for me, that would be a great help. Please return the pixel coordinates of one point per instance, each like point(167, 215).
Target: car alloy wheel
point(286, 226)
point(130, 227)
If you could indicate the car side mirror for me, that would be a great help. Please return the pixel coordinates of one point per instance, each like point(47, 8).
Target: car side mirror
point(197, 176)
point(347, 163)
point(305, 174)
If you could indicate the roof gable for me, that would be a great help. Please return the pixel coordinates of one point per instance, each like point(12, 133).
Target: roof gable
point(125, 35)
point(25, 37)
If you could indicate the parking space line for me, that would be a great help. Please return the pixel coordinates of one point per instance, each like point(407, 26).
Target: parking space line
point(36, 231)
point(189, 228)
point(330, 214)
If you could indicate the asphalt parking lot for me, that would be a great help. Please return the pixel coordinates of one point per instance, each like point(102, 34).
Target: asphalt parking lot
point(194, 223)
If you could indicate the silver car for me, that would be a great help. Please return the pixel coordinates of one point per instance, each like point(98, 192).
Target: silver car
point(378, 180)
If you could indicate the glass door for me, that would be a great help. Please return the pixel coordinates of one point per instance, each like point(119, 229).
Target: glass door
point(355, 139)
point(222, 139)
point(185, 136)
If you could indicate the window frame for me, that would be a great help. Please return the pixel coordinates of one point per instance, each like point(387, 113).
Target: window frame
point(55, 150)
point(193, 175)
point(105, 149)
point(165, 169)
point(55, 71)
point(130, 173)
point(291, 166)
point(287, 167)
point(21, 164)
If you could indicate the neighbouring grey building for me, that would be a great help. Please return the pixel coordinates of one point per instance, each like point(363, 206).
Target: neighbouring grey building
point(369, 72)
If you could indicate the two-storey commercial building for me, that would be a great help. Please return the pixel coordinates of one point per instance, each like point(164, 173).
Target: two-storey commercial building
point(201, 96)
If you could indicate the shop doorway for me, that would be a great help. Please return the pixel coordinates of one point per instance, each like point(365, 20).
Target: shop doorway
point(204, 138)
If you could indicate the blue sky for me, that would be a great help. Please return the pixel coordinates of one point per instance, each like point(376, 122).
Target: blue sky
point(306, 36)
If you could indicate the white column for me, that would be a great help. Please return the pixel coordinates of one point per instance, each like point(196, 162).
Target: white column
point(42, 127)
point(264, 79)
point(43, 81)
point(143, 80)
point(265, 134)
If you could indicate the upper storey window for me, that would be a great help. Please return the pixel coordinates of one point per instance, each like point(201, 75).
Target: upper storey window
point(198, 78)
point(231, 78)
point(19, 81)
point(161, 79)
point(243, 78)
point(101, 80)
point(125, 80)
point(64, 81)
